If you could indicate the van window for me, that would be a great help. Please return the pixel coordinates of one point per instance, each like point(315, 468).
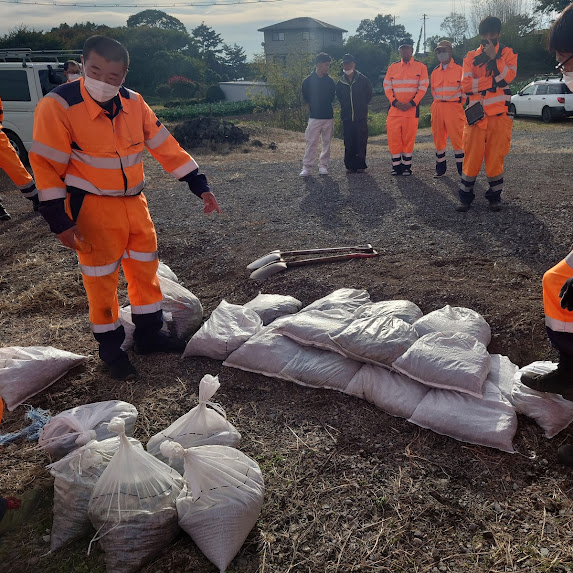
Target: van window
point(50, 79)
point(541, 89)
point(14, 85)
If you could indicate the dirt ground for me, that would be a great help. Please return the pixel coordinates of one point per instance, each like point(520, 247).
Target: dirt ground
point(348, 487)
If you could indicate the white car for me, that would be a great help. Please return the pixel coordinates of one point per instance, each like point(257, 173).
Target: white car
point(548, 98)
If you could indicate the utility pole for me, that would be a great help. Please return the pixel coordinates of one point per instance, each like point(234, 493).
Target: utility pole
point(424, 18)
point(394, 30)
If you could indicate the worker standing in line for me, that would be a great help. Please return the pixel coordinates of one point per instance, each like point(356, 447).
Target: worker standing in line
point(405, 85)
point(487, 73)
point(448, 117)
point(11, 164)
point(89, 139)
point(72, 70)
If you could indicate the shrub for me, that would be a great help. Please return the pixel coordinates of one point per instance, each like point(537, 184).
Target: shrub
point(183, 87)
point(163, 90)
point(214, 93)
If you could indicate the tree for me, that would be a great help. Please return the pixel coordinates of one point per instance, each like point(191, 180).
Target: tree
point(156, 19)
point(371, 59)
point(209, 42)
point(382, 30)
point(22, 36)
point(551, 5)
point(455, 26)
point(73, 37)
point(505, 10)
point(234, 60)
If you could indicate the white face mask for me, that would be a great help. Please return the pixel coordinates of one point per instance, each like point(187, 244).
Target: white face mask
point(100, 91)
point(348, 72)
point(568, 79)
point(72, 77)
point(444, 57)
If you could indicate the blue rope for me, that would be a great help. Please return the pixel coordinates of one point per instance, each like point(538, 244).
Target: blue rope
point(39, 419)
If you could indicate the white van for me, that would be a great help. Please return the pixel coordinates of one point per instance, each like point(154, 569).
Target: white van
point(23, 82)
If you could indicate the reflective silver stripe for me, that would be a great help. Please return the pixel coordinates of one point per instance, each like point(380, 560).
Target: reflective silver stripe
point(107, 162)
point(512, 68)
point(28, 185)
point(558, 325)
point(75, 181)
point(146, 308)
point(424, 82)
point(402, 90)
point(50, 153)
point(161, 136)
point(455, 98)
point(105, 327)
point(467, 75)
point(59, 99)
point(475, 85)
point(502, 74)
point(101, 270)
point(387, 83)
point(185, 169)
point(52, 193)
point(447, 89)
point(141, 256)
point(401, 81)
point(131, 93)
point(497, 99)
point(31, 193)
point(569, 259)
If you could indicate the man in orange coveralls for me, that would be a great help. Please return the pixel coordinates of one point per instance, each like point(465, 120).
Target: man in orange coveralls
point(448, 117)
point(487, 73)
point(11, 164)
point(405, 84)
point(89, 138)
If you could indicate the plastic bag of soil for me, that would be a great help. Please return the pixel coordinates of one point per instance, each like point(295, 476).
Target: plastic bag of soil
point(198, 427)
point(132, 506)
point(271, 306)
point(75, 476)
point(184, 307)
point(221, 501)
point(77, 426)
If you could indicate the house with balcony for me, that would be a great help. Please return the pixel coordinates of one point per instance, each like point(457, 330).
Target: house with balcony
point(299, 35)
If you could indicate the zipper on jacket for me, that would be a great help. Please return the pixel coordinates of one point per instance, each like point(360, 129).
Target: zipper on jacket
point(120, 161)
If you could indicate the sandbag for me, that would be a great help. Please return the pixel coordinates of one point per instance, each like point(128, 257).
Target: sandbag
point(132, 506)
point(271, 306)
point(165, 271)
point(404, 309)
point(455, 319)
point(75, 427)
point(75, 476)
point(27, 370)
point(448, 361)
point(183, 306)
point(501, 374)
point(348, 299)
point(222, 500)
point(198, 427)
point(229, 326)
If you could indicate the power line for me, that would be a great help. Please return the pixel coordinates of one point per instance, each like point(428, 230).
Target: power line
point(137, 5)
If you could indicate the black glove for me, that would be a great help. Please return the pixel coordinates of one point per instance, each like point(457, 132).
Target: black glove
point(566, 294)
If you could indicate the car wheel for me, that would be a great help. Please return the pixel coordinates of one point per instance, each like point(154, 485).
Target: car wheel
point(546, 115)
point(512, 110)
point(18, 146)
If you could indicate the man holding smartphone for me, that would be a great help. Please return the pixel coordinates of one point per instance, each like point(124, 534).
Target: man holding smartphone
point(487, 73)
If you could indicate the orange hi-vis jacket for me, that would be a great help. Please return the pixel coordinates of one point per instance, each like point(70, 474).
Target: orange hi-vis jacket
point(488, 81)
point(406, 82)
point(79, 147)
point(446, 84)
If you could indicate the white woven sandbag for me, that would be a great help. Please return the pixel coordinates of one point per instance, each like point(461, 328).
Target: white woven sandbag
point(271, 306)
point(199, 427)
point(552, 412)
point(455, 319)
point(222, 499)
point(468, 419)
point(183, 306)
point(27, 370)
point(392, 392)
point(348, 299)
point(375, 339)
point(501, 374)
point(316, 327)
point(129, 327)
point(75, 476)
point(229, 326)
point(75, 427)
point(132, 506)
point(404, 309)
point(320, 369)
point(448, 361)
point(165, 271)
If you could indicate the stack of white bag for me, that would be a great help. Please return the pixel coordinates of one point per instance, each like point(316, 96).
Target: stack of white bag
point(77, 426)
point(221, 501)
point(132, 506)
point(75, 476)
point(25, 371)
point(272, 306)
point(198, 427)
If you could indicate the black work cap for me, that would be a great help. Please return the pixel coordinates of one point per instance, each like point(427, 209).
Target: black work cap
point(406, 42)
point(348, 58)
point(322, 57)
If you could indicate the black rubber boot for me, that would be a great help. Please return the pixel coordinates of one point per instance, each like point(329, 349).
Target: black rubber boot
point(397, 169)
point(441, 168)
point(559, 381)
point(4, 215)
point(459, 165)
point(159, 342)
point(35, 202)
point(122, 369)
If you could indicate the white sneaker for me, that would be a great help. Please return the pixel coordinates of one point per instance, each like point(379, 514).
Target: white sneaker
point(323, 171)
point(305, 172)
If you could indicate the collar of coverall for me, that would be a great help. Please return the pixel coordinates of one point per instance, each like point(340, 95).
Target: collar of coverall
point(94, 109)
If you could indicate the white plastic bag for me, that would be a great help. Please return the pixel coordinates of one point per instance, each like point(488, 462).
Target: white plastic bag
point(222, 499)
point(271, 306)
point(348, 299)
point(25, 371)
point(404, 309)
point(183, 306)
point(165, 272)
point(75, 427)
point(75, 476)
point(132, 506)
point(229, 326)
point(198, 427)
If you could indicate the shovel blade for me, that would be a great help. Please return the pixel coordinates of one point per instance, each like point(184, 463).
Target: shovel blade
point(268, 258)
point(268, 270)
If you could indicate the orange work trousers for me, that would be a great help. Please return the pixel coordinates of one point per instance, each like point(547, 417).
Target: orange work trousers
point(448, 120)
point(11, 164)
point(401, 134)
point(116, 230)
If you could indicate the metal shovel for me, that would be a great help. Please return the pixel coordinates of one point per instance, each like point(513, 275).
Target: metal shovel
point(277, 256)
point(281, 265)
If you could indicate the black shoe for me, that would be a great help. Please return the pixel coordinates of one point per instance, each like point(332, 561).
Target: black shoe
point(494, 206)
point(159, 343)
point(122, 369)
point(559, 381)
point(463, 207)
point(396, 169)
point(407, 171)
point(35, 202)
point(459, 166)
point(441, 167)
point(4, 215)
point(349, 171)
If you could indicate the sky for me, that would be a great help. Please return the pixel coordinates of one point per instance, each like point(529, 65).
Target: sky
point(236, 23)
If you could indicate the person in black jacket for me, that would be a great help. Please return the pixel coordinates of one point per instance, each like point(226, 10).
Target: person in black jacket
point(354, 92)
point(318, 93)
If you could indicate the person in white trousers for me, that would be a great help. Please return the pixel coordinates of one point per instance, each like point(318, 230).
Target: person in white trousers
point(318, 91)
